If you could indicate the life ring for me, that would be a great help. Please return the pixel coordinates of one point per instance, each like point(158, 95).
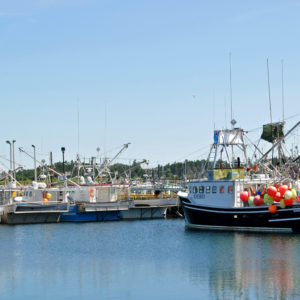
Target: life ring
point(91, 193)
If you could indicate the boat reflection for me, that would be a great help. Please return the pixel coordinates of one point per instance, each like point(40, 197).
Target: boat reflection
point(247, 266)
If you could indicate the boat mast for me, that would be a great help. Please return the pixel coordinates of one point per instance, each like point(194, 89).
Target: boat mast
point(230, 77)
point(78, 126)
point(280, 151)
point(270, 104)
point(233, 122)
point(282, 88)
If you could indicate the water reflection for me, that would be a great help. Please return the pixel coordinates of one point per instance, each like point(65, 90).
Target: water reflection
point(247, 265)
point(155, 259)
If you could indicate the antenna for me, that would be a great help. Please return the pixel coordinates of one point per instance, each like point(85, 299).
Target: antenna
point(270, 104)
point(78, 126)
point(225, 110)
point(233, 122)
point(282, 87)
point(214, 119)
point(105, 128)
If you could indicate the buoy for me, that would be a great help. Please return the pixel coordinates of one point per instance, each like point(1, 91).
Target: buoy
point(272, 209)
point(244, 196)
point(282, 204)
point(48, 196)
point(288, 201)
point(268, 199)
point(288, 195)
point(45, 200)
point(258, 200)
point(283, 189)
point(294, 193)
point(271, 191)
point(252, 190)
point(278, 197)
point(250, 200)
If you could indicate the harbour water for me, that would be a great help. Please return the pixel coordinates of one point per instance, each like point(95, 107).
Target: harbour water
point(154, 259)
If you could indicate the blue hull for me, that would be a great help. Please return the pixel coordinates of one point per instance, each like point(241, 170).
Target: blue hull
point(97, 216)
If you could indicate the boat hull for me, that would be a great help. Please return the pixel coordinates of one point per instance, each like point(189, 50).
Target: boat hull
point(75, 215)
point(242, 218)
point(30, 218)
point(144, 212)
point(33, 213)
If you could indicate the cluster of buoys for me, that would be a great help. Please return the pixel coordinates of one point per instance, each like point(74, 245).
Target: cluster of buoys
point(47, 197)
point(283, 194)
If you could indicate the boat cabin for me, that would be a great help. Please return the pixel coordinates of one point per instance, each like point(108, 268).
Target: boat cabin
point(212, 193)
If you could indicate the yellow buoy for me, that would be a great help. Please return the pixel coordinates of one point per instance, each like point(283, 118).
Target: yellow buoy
point(14, 194)
point(48, 196)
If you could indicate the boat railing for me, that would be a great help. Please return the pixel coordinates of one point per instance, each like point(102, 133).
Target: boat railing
point(146, 196)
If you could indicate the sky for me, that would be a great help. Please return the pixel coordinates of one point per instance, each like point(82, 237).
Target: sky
point(83, 74)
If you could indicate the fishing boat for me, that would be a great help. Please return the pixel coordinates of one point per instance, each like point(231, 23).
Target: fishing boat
point(34, 204)
point(151, 202)
point(97, 202)
point(115, 196)
point(235, 196)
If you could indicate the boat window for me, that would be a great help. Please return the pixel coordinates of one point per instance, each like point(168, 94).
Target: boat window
point(191, 190)
point(214, 189)
point(201, 189)
point(208, 189)
point(195, 189)
point(222, 189)
point(230, 189)
point(30, 194)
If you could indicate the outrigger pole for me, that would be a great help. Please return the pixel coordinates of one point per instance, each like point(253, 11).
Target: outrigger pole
point(278, 142)
point(54, 171)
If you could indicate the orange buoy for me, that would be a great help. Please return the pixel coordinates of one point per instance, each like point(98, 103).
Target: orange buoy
point(272, 209)
point(252, 190)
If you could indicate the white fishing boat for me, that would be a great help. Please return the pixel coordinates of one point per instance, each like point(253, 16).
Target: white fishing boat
point(235, 197)
point(34, 204)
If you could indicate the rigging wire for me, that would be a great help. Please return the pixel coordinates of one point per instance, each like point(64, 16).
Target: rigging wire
point(187, 155)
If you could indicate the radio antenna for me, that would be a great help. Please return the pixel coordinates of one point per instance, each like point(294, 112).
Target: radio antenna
point(270, 104)
point(282, 87)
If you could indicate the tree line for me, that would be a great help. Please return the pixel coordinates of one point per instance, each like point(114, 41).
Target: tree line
point(171, 171)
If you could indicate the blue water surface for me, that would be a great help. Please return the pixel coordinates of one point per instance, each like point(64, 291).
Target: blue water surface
point(154, 259)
